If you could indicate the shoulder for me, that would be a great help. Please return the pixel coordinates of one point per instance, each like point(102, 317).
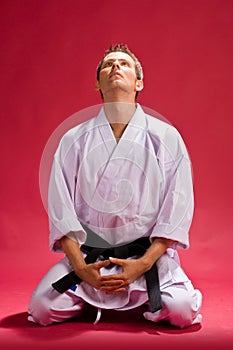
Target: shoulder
point(161, 128)
point(166, 134)
point(79, 130)
point(75, 137)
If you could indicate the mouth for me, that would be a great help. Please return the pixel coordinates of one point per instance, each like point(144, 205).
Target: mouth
point(115, 74)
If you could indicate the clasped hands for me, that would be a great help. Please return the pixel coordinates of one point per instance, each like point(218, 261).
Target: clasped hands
point(116, 283)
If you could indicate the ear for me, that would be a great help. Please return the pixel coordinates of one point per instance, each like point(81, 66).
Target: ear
point(97, 85)
point(139, 85)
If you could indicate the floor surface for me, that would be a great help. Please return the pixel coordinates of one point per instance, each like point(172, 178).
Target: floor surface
point(122, 329)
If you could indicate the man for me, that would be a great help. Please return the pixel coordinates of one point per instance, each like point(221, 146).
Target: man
point(122, 176)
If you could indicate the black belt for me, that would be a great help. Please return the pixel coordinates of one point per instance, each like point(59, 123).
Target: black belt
point(135, 248)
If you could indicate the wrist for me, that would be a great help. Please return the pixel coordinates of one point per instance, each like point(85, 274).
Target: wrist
point(146, 263)
point(79, 267)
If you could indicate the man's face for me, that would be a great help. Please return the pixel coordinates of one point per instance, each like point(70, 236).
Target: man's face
point(118, 73)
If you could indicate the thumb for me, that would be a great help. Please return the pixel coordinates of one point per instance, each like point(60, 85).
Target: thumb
point(100, 264)
point(116, 261)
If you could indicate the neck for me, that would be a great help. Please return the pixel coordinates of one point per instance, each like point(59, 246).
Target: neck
point(119, 112)
point(119, 115)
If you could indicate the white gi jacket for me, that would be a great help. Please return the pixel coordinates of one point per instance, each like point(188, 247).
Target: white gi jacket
point(138, 187)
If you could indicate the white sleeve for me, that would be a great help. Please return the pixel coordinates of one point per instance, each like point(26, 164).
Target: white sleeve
point(61, 211)
point(176, 211)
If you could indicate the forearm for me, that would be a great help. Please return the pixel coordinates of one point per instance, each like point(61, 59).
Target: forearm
point(87, 272)
point(133, 268)
point(74, 254)
point(154, 252)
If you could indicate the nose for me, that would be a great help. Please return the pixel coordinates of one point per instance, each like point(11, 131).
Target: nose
point(115, 65)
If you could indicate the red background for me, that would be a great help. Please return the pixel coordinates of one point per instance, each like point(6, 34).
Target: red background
point(49, 53)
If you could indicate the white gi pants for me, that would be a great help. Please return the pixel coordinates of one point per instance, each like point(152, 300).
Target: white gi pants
point(181, 302)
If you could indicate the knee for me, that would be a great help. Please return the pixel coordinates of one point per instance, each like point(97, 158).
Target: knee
point(40, 309)
point(52, 307)
point(182, 308)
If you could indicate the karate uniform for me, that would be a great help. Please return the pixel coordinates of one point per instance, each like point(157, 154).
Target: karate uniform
point(138, 187)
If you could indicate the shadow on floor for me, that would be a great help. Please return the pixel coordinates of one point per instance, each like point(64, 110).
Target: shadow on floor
point(130, 321)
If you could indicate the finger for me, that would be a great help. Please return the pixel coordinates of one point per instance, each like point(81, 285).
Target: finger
point(117, 277)
point(114, 291)
point(116, 261)
point(112, 283)
point(100, 264)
